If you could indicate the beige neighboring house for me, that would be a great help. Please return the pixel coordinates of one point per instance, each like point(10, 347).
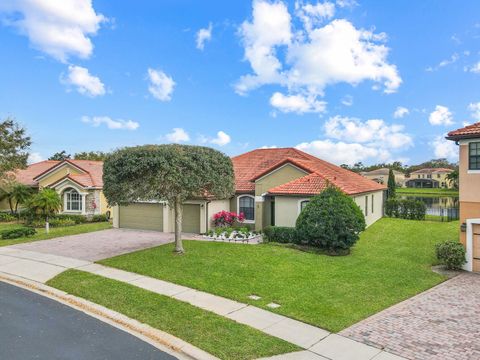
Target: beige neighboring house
point(381, 176)
point(272, 186)
point(430, 178)
point(78, 182)
point(468, 139)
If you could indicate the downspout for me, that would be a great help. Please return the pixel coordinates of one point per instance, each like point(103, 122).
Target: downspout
point(206, 215)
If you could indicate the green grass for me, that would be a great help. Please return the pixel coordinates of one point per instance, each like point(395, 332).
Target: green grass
point(215, 334)
point(54, 232)
point(425, 191)
point(391, 262)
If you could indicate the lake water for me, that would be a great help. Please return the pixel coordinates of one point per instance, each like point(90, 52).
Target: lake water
point(438, 205)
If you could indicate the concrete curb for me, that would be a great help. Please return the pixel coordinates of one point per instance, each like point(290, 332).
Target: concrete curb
point(160, 339)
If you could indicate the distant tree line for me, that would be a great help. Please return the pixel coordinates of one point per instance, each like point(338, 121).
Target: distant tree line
point(398, 166)
point(85, 155)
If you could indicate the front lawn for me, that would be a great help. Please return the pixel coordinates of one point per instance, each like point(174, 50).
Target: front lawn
point(213, 333)
point(427, 191)
point(391, 262)
point(54, 232)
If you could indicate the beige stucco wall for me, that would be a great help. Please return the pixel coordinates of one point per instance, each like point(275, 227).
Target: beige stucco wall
point(469, 181)
point(287, 208)
point(214, 207)
point(56, 175)
point(4, 205)
point(277, 177)
point(377, 212)
point(103, 204)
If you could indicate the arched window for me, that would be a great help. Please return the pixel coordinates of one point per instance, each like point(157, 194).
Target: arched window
point(73, 200)
point(246, 205)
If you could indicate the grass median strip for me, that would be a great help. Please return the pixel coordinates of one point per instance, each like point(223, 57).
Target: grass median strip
point(390, 263)
point(219, 336)
point(54, 232)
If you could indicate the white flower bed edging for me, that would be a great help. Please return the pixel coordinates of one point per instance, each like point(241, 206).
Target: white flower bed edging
point(235, 236)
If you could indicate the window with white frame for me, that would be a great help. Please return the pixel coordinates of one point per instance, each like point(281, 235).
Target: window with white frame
point(246, 205)
point(474, 156)
point(73, 200)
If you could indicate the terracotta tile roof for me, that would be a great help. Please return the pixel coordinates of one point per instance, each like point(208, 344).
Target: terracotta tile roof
point(256, 163)
point(308, 185)
point(92, 177)
point(431, 171)
point(467, 132)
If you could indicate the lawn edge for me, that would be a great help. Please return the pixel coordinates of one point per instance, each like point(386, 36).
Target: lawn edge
point(155, 337)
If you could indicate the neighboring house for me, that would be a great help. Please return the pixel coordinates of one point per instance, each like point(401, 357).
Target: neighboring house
point(78, 182)
point(430, 178)
point(469, 184)
point(381, 176)
point(272, 186)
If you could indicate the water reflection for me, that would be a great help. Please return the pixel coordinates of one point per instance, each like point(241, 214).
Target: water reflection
point(435, 204)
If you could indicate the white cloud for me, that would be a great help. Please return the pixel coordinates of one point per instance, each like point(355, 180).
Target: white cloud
point(161, 85)
point(475, 68)
point(34, 157)
point(346, 3)
point(312, 15)
point(343, 153)
point(400, 112)
point(85, 83)
point(443, 148)
point(270, 27)
point(441, 116)
point(112, 124)
point(374, 132)
point(297, 103)
point(347, 100)
point(222, 139)
point(203, 35)
point(452, 60)
point(315, 57)
point(178, 135)
point(58, 28)
point(475, 109)
point(269, 147)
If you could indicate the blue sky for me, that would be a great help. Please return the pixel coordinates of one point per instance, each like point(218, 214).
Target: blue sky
point(327, 77)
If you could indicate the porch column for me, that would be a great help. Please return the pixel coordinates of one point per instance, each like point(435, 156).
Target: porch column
point(84, 197)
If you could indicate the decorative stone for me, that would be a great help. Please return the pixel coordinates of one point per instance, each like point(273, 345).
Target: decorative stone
point(273, 305)
point(254, 297)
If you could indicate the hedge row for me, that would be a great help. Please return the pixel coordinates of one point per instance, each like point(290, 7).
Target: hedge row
point(405, 209)
point(18, 233)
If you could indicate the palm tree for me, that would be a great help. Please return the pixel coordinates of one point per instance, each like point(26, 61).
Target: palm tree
point(15, 193)
point(47, 202)
point(452, 178)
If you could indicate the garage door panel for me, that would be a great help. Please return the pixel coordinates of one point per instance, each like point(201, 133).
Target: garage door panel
point(191, 218)
point(142, 216)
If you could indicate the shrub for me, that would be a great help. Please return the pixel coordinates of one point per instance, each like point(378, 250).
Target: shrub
point(451, 254)
point(6, 217)
point(78, 219)
point(226, 218)
point(18, 233)
point(405, 209)
point(280, 234)
point(99, 218)
point(330, 221)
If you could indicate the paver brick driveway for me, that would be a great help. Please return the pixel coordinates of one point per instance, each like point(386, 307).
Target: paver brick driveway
point(442, 323)
point(99, 244)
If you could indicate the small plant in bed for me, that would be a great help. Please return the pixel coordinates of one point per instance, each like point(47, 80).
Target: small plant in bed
point(18, 233)
point(451, 254)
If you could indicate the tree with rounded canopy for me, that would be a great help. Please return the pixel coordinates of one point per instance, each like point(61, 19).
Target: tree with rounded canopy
point(330, 221)
point(172, 173)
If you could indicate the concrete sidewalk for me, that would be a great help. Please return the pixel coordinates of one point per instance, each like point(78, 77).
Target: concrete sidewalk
point(318, 343)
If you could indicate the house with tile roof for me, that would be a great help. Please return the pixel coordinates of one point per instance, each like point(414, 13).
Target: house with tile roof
point(381, 176)
point(78, 182)
point(272, 186)
point(468, 139)
point(430, 178)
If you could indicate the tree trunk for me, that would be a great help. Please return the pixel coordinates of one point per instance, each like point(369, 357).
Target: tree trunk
point(47, 225)
point(10, 203)
point(178, 226)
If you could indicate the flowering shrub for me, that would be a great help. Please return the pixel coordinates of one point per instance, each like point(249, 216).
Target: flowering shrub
point(227, 218)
